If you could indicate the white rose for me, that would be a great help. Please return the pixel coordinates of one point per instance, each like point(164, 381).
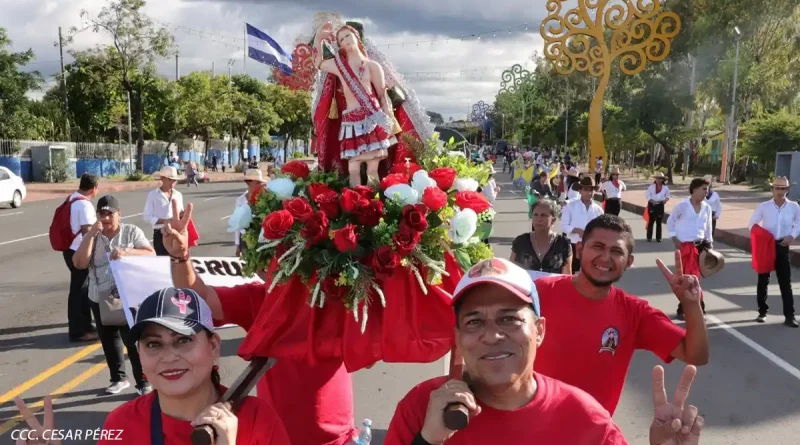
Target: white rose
point(241, 219)
point(403, 193)
point(420, 181)
point(462, 226)
point(283, 188)
point(466, 185)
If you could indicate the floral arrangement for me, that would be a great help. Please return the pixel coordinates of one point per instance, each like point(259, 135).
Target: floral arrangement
point(342, 240)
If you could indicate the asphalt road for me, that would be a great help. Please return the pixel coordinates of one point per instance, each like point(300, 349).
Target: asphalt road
point(748, 393)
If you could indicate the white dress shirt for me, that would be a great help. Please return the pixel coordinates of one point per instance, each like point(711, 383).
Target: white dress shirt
point(613, 192)
point(659, 197)
point(715, 203)
point(577, 216)
point(81, 213)
point(779, 221)
point(689, 226)
point(573, 195)
point(240, 201)
point(158, 206)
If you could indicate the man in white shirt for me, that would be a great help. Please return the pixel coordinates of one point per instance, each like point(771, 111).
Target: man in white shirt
point(612, 192)
point(689, 225)
point(598, 170)
point(657, 196)
point(577, 214)
point(713, 200)
point(254, 180)
point(781, 218)
point(82, 217)
point(158, 207)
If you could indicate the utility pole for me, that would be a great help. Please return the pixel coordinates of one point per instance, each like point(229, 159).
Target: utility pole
point(732, 132)
point(130, 141)
point(64, 81)
point(690, 118)
point(213, 70)
point(566, 121)
point(244, 51)
point(177, 71)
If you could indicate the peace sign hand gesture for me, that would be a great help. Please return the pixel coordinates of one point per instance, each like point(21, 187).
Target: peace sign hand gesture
point(685, 287)
point(38, 433)
point(176, 237)
point(672, 423)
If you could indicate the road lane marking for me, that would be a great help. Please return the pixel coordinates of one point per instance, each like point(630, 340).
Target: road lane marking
point(769, 355)
point(46, 234)
point(44, 375)
point(58, 393)
point(211, 199)
point(10, 214)
point(226, 217)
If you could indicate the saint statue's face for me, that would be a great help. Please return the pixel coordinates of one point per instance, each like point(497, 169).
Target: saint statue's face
point(346, 39)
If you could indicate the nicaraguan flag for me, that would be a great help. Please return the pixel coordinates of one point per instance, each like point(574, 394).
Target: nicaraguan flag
point(264, 49)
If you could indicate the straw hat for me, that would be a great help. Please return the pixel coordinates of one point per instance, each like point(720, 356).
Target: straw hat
point(659, 175)
point(573, 172)
point(709, 179)
point(254, 174)
point(711, 262)
point(168, 172)
point(781, 181)
point(614, 170)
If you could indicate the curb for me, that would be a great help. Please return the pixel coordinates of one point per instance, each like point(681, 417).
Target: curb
point(125, 187)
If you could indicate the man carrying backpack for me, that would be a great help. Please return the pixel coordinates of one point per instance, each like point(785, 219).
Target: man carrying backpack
point(72, 220)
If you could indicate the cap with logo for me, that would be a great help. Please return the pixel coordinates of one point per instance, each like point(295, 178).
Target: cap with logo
point(503, 273)
point(179, 310)
point(108, 203)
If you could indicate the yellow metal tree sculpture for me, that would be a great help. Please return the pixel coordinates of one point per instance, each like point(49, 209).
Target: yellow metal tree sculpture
point(638, 32)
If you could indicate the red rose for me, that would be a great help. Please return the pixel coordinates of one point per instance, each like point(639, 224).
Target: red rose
point(317, 189)
point(277, 224)
point(415, 217)
point(332, 290)
point(365, 191)
point(299, 208)
point(407, 169)
point(473, 201)
point(385, 260)
point(345, 239)
point(444, 177)
point(350, 200)
point(405, 240)
point(256, 193)
point(296, 169)
point(315, 229)
point(369, 213)
point(328, 202)
point(434, 198)
point(394, 179)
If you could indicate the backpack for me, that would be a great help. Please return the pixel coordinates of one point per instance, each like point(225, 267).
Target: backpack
point(61, 235)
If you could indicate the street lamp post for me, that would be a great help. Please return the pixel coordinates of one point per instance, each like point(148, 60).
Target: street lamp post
point(732, 125)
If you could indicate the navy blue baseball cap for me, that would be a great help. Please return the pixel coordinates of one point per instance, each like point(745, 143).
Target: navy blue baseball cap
point(179, 310)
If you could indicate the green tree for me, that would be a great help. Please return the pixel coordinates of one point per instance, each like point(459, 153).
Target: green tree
point(294, 108)
point(436, 118)
point(770, 134)
point(14, 84)
point(253, 113)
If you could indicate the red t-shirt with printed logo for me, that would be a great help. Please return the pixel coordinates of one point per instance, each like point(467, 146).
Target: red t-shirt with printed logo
point(589, 343)
point(315, 403)
point(558, 414)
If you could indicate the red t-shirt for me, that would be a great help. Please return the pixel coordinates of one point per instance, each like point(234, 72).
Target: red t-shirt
point(589, 344)
point(315, 403)
point(558, 414)
point(258, 424)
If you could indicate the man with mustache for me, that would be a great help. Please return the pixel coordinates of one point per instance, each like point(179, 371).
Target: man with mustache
point(594, 327)
point(499, 328)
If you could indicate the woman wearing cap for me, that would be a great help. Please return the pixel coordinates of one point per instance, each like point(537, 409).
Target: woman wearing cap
point(179, 351)
point(713, 200)
point(255, 181)
point(612, 192)
point(158, 206)
point(657, 195)
point(109, 240)
point(542, 248)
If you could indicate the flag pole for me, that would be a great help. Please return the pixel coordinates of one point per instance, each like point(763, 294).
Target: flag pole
point(244, 51)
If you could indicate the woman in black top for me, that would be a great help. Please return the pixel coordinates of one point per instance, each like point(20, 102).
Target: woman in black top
point(542, 249)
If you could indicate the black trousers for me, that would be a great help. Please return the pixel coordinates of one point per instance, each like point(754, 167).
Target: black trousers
point(713, 224)
point(613, 206)
point(597, 178)
point(79, 315)
point(783, 269)
point(158, 243)
point(656, 212)
point(113, 338)
point(576, 262)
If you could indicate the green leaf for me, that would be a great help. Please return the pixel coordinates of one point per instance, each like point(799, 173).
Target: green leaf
point(484, 230)
point(462, 258)
point(434, 220)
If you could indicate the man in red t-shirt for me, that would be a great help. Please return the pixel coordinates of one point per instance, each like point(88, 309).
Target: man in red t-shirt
point(594, 327)
point(315, 403)
point(499, 329)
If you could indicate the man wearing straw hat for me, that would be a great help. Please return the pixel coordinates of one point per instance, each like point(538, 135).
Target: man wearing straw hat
point(255, 181)
point(713, 200)
point(577, 214)
point(781, 218)
point(657, 195)
point(612, 192)
point(158, 206)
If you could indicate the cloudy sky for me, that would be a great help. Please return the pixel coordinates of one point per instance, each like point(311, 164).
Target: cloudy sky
point(423, 38)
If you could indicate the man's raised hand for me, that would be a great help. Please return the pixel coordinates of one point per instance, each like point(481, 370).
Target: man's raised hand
point(673, 422)
point(176, 235)
point(685, 287)
point(37, 433)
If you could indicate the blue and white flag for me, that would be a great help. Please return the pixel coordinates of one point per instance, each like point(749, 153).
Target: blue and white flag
point(264, 49)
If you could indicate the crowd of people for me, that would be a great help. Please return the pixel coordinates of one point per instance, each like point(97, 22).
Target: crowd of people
point(516, 387)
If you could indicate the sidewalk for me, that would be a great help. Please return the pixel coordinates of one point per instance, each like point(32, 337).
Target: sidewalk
point(738, 204)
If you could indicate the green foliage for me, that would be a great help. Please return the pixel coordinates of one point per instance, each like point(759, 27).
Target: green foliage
point(298, 155)
point(58, 170)
point(771, 134)
point(137, 175)
point(15, 115)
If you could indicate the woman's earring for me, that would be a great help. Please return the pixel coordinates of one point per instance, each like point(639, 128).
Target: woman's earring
point(216, 366)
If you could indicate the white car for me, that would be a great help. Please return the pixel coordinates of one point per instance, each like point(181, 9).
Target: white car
point(12, 189)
